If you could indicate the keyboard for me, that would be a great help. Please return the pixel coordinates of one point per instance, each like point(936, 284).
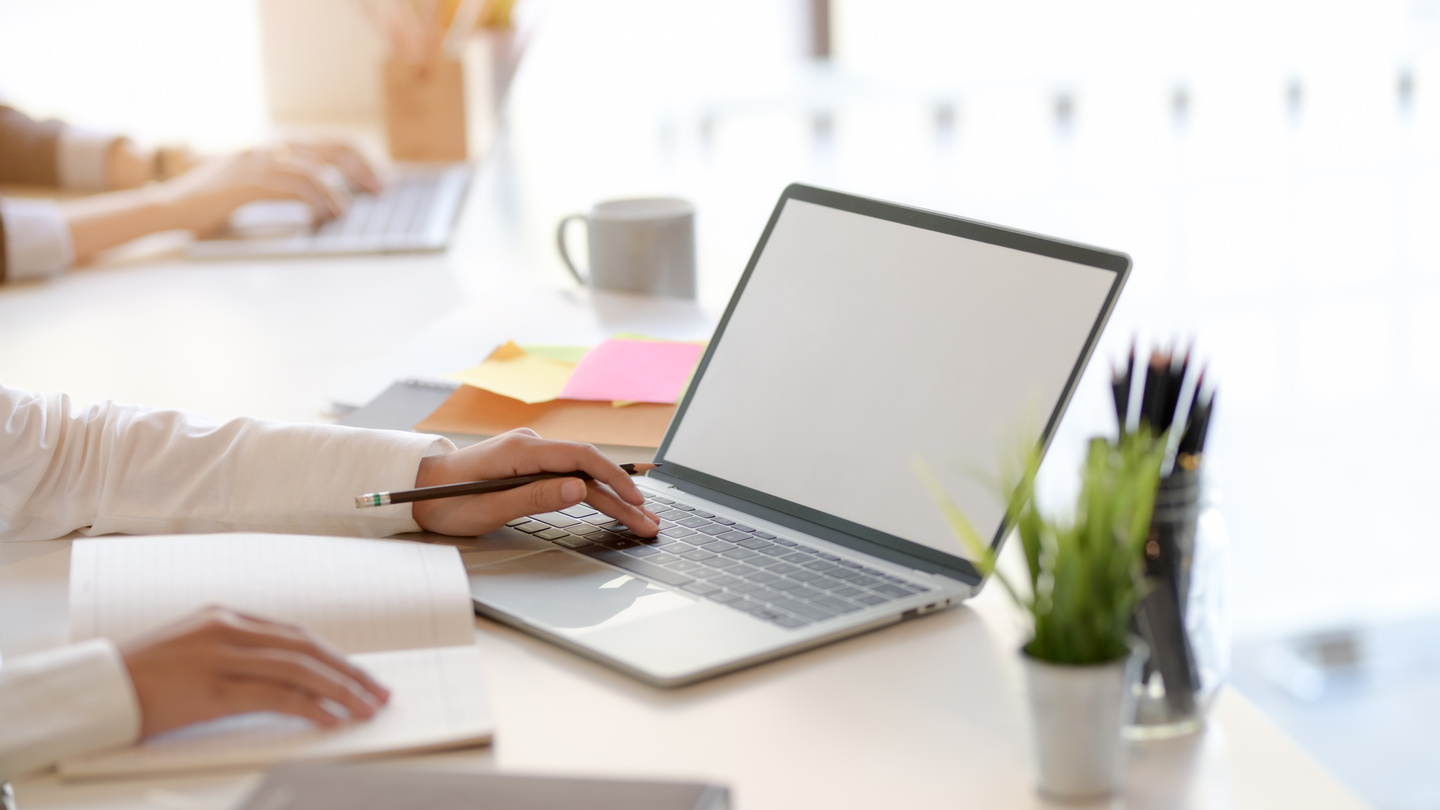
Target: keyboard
point(773, 578)
point(414, 212)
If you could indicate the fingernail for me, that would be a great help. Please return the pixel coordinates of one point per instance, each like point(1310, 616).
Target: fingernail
point(573, 490)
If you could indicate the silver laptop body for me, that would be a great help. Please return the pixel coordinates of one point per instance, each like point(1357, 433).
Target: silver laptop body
point(415, 212)
point(862, 335)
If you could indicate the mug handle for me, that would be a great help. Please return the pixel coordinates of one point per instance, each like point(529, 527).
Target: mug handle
point(560, 242)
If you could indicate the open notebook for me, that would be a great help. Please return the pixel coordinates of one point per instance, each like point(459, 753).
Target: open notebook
point(400, 610)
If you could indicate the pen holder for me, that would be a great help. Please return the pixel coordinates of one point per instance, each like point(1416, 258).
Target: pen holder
point(425, 110)
point(1182, 617)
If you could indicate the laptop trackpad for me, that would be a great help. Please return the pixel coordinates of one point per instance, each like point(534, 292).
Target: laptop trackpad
point(566, 591)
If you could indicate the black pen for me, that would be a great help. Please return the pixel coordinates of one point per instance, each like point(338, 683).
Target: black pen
point(481, 487)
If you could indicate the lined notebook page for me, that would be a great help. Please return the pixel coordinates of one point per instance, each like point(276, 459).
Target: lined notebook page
point(437, 701)
point(362, 595)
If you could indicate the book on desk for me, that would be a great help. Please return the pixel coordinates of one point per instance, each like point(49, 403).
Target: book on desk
point(399, 610)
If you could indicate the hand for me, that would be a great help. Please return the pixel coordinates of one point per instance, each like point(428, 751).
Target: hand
point(219, 662)
point(203, 198)
point(523, 452)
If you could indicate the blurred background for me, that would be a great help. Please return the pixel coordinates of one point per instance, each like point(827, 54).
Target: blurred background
point(1272, 166)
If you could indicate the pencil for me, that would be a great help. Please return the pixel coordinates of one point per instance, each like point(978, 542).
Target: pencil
point(481, 487)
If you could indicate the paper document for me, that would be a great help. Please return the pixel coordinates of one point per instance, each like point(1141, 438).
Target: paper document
point(400, 610)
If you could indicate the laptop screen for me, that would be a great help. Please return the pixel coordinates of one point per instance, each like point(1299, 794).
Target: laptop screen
point(864, 334)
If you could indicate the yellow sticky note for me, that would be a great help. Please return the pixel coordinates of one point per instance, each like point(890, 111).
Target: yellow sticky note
point(510, 371)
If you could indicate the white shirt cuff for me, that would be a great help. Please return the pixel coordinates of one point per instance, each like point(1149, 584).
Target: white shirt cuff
point(62, 703)
point(82, 158)
point(37, 239)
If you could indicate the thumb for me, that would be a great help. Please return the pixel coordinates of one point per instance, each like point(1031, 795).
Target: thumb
point(541, 496)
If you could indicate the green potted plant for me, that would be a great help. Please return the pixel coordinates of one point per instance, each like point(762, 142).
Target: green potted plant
point(1084, 575)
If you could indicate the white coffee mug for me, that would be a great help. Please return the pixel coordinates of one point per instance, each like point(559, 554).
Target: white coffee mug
point(639, 245)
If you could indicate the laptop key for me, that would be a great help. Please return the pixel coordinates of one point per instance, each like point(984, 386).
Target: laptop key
point(552, 533)
point(644, 551)
point(741, 527)
point(636, 566)
point(739, 553)
point(837, 605)
point(704, 514)
point(658, 499)
point(517, 521)
point(698, 555)
point(532, 526)
point(813, 612)
point(700, 588)
point(682, 507)
point(790, 622)
point(774, 551)
point(725, 521)
point(806, 593)
point(677, 531)
point(783, 568)
point(754, 542)
point(830, 584)
point(764, 535)
point(555, 519)
point(849, 591)
point(734, 536)
point(694, 522)
point(579, 510)
point(711, 529)
point(871, 599)
point(891, 590)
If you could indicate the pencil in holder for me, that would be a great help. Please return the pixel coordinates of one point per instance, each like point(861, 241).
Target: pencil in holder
point(1181, 618)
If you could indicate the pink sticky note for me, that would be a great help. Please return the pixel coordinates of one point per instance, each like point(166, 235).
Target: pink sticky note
point(634, 370)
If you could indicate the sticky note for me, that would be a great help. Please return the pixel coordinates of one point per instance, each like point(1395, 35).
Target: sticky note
point(510, 371)
point(634, 371)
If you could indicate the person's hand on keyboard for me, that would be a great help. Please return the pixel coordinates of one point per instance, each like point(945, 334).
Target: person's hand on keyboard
point(523, 452)
point(219, 662)
point(203, 198)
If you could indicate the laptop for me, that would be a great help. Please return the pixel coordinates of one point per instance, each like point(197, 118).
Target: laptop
point(415, 212)
point(862, 334)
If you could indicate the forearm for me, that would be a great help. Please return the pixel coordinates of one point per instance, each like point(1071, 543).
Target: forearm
point(104, 221)
point(111, 468)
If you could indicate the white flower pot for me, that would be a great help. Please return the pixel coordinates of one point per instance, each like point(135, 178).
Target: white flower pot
point(1077, 713)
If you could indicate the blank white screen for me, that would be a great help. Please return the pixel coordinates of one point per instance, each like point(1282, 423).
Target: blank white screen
point(858, 342)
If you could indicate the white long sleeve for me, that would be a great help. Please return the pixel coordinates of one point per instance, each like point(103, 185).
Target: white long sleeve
point(64, 702)
point(37, 240)
point(112, 468)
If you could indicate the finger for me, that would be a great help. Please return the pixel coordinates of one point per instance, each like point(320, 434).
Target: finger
point(241, 696)
point(251, 631)
point(357, 168)
point(309, 174)
point(531, 499)
point(299, 671)
point(567, 456)
point(286, 186)
point(637, 520)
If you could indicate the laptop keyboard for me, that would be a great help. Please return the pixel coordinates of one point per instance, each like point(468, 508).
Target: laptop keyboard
point(770, 577)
